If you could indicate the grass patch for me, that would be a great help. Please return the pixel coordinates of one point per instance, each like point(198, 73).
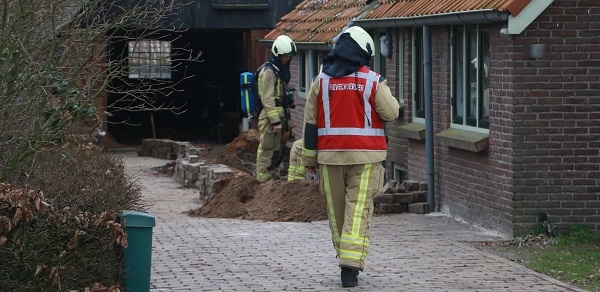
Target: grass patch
point(573, 257)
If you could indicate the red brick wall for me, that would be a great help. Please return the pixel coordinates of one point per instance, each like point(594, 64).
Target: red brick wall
point(544, 136)
point(475, 187)
point(298, 112)
point(398, 153)
point(544, 127)
point(557, 118)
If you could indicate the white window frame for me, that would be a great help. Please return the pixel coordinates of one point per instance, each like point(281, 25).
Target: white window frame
point(417, 62)
point(379, 61)
point(307, 69)
point(302, 73)
point(478, 127)
point(398, 170)
point(149, 59)
point(401, 66)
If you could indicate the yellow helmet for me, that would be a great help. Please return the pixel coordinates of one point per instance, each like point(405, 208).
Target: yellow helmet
point(283, 45)
point(364, 40)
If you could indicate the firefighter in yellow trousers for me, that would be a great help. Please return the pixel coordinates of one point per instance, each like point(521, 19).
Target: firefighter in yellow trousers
point(344, 140)
point(273, 123)
point(296, 169)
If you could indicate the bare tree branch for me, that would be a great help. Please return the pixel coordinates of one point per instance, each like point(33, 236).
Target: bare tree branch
point(55, 65)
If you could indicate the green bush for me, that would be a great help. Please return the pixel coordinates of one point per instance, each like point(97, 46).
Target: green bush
point(60, 230)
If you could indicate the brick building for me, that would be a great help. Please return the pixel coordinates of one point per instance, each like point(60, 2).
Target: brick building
point(515, 89)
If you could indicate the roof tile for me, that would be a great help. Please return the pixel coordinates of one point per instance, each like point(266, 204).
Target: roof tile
point(319, 21)
point(411, 8)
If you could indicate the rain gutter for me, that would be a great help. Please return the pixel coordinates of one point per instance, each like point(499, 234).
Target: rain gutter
point(454, 18)
point(428, 92)
point(322, 46)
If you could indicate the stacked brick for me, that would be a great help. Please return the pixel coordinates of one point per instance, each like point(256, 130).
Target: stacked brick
point(409, 196)
point(164, 149)
point(212, 179)
point(190, 172)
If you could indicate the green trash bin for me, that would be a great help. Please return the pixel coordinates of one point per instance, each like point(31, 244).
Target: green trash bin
point(138, 253)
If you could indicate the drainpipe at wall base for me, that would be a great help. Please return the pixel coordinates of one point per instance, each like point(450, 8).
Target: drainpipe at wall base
point(427, 85)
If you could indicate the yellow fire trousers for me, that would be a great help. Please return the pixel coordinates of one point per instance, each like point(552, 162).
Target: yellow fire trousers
point(269, 151)
point(349, 191)
point(296, 170)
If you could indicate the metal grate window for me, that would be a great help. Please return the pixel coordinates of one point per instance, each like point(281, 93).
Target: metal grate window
point(149, 59)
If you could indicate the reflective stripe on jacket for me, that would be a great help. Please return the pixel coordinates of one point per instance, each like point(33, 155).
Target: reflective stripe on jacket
point(347, 119)
point(270, 91)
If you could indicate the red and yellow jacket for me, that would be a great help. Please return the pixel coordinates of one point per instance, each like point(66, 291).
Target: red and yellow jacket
point(345, 117)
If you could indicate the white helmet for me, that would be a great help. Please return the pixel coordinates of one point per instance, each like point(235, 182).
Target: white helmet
point(283, 45)
point(364, 40)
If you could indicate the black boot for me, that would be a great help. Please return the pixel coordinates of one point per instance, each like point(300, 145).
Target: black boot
point(349, 278)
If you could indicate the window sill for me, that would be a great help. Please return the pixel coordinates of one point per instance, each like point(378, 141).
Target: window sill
point(462, 139)
point(415, 131)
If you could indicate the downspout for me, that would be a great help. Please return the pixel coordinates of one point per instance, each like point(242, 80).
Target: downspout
point(427, 84)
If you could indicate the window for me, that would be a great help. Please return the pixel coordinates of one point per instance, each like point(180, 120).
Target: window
point(308, 68)
point(149, 59)
point(470, 82)
point(418, 77)
point(302, 71)
point(399, 172)
point(401, 67)
point(314, 65)
point(379, 62)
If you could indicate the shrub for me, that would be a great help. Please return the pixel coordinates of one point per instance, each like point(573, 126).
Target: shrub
point(60, 231)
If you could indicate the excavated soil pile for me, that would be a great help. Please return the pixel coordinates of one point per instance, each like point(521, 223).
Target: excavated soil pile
point(246, 143)
point(216, 154)
point(244, 197)
point(239, 153)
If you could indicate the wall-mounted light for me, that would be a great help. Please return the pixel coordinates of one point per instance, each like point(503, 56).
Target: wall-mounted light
point(504, 30)
point(536, 51)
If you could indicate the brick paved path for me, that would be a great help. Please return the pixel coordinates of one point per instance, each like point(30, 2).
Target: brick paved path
point(408, 252)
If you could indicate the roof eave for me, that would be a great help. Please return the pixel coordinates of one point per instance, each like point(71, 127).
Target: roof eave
point(320, 46)
point(454, 18)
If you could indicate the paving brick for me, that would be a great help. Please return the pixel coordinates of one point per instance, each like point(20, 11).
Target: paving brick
point(410, 185)
point(408, 252)
point(403, 198)
point(418, 208)
point(221, 172)
point(419, 197)
point(384, 199)
point(193, 158)
point(389, 208)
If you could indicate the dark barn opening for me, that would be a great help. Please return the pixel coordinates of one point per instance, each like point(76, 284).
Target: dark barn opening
point(206, 90)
